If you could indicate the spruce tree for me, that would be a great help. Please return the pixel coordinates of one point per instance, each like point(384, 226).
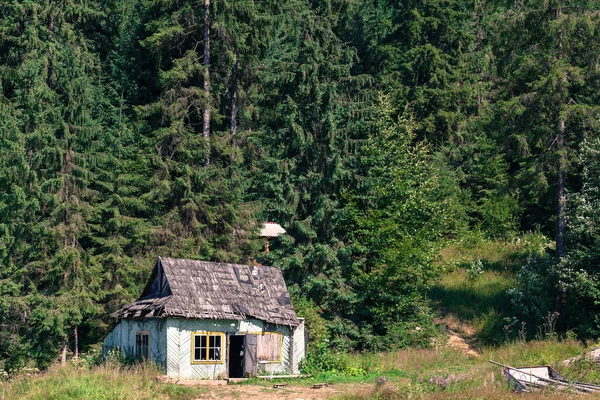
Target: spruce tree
point(546, 52)
point(51, 91)
point(199, 191)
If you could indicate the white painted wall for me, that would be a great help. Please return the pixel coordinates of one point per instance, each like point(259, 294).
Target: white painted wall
point(179, 334)
point(170, 344)
point(123, 337)
point(298, 347)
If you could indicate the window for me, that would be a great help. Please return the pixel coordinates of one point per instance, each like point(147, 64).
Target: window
point(268, 347)
point(142, 345)
point(207, 347)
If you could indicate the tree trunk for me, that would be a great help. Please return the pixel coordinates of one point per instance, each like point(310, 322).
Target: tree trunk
point(63, 353)
point(76, 343)
point(561, 226)
point(234, 100)
point(206, 62)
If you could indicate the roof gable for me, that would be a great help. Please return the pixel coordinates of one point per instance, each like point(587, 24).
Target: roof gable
point(157, 285)
point(182, 288)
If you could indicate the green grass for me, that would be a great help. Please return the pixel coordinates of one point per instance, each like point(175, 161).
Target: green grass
point(98, 383)
point(418, 373)
point(480, 302)
point(471, 300)
point(497, 254)
point(411, 372)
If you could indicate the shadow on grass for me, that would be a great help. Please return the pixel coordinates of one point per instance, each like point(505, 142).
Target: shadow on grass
point(482, 302)
point(470, 303)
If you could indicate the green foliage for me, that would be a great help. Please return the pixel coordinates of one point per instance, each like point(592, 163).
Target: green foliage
point(100, 382)
point(375, 132)
point(475, 270)
point(543, 52)
point(391, 223)
point(419, 331)
point(321, 358)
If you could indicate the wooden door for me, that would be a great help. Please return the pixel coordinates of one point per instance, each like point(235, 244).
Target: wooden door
point(251, 363)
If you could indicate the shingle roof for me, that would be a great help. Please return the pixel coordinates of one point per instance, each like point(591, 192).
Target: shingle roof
point(182, 288)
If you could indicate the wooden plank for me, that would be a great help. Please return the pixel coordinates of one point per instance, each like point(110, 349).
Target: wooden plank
point(251, 364)
point(269, 346)
point(298, 347)
point(299, 376)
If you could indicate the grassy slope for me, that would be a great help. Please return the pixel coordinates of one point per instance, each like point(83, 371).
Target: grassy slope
point(412, 373)
point(475, 308)
point(441, 373)
point(477, 304)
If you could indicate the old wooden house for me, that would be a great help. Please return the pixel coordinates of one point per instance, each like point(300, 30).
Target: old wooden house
point(207, 320)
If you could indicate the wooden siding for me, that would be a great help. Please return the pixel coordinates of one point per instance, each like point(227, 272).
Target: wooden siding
point(269, 347)
point(299, 347)
point(123, 338)
point(179, 355)
point(178, 360)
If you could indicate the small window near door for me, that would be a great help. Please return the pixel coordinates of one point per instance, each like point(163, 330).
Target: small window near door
point(142, 345)
point(207, 347)
point(268, 347)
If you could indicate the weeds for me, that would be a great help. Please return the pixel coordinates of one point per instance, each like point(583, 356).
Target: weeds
point(105, 381)
point(475, 270)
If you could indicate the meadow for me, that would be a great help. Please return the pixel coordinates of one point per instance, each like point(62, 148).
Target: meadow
point(441, 373)
point(470, 299)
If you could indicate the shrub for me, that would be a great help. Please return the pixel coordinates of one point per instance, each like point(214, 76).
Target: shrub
point(475, 270)
point(419, 331)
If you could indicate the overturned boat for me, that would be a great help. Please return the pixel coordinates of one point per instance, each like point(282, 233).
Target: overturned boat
point(526, 379)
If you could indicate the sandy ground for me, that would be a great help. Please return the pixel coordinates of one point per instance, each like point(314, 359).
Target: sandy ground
point(237, 392)
point(460, 336)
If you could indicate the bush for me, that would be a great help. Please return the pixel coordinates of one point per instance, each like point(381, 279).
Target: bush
point(418, 332)
point(321, 358)
point(475, 270)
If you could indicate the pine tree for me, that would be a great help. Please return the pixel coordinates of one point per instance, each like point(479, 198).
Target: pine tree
point(416, 49)
point(394, 219)
point(546, 55)
point(199, 191)
point(51, 91)
point(309, 112)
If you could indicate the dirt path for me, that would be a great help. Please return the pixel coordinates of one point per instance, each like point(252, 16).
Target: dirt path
point(237, 392)
point(461, 336)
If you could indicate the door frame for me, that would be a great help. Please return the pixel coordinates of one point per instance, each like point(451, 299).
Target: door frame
point(228, 352)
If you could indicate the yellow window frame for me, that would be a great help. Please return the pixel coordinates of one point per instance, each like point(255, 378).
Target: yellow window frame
point(208, 335)
point(280, 346)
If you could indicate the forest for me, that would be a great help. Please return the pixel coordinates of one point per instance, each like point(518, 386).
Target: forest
point(374, 131)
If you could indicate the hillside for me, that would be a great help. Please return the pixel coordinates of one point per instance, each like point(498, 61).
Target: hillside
point(375, 132)
point(471, 305)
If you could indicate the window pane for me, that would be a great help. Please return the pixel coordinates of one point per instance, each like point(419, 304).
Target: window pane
point(197, 341)
point(218, 354)
point(203, 341)
point(217, 341)
point(211, 341)
point(211, 354)
point(203, 356)
point(196, 353)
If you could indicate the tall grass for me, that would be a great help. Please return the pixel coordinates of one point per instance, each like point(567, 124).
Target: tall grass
point(97, 383)
point(449, 374)
point(473, 291)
